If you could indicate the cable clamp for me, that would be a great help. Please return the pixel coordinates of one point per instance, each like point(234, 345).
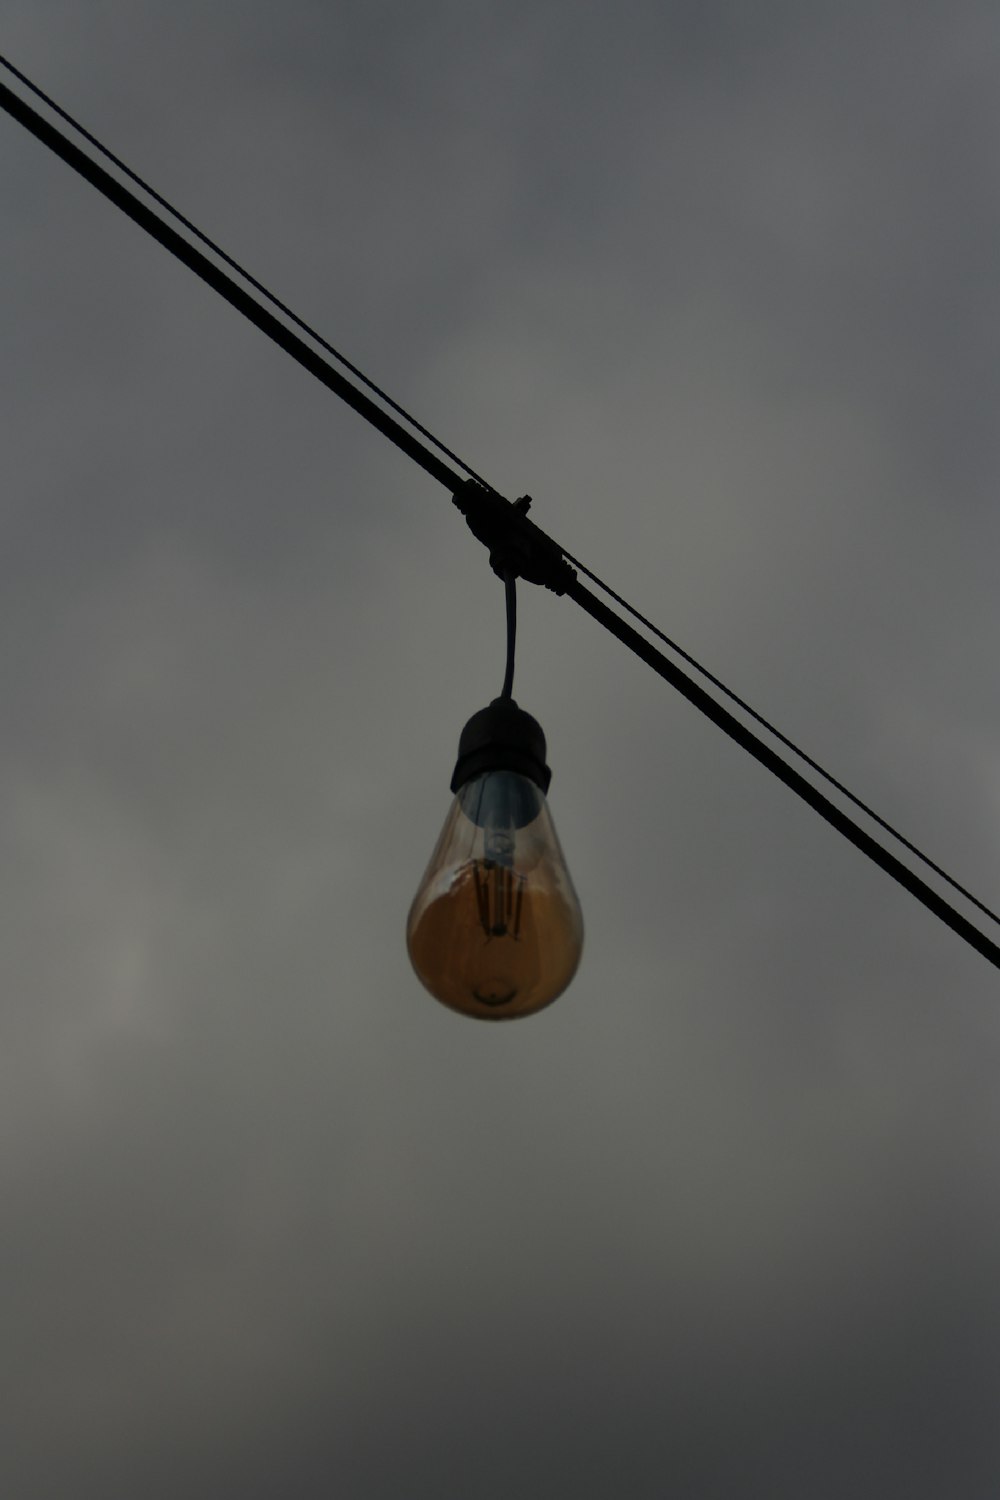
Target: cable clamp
point(517, 546)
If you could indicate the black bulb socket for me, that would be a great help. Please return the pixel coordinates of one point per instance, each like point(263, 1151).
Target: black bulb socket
point(502, 737)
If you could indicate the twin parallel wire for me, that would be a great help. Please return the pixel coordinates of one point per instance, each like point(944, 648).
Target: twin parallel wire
point(234, 265)
point(434, 464)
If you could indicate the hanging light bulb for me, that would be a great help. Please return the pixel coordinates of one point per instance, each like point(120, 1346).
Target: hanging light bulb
point(495, 929)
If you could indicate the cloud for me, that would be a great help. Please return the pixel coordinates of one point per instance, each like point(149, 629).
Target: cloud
point(715, 288)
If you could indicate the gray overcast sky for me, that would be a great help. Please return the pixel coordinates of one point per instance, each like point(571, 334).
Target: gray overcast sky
point(717, 284)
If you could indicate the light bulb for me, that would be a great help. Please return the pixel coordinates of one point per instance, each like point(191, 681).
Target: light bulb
point(495, 929)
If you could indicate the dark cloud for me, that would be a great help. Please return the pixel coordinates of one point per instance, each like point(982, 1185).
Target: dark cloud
point(715, 285)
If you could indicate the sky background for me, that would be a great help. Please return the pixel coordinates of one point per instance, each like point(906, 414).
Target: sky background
point(717, 284)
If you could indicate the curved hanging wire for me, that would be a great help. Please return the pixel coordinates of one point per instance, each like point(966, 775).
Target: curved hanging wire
point(509, 590)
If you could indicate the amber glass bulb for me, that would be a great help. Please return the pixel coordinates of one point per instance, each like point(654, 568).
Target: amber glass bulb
point(495, 929)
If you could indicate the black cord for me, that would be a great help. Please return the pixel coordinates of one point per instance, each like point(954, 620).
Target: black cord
point(509, 590)
point(235, 265)
point(792, 779)
point(437, 469)
point(784, 740)
point(227, 288)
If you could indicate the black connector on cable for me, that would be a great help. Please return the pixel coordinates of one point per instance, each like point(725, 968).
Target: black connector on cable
point(517, 547)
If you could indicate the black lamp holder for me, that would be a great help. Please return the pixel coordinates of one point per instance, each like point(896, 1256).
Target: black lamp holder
point(502, 737)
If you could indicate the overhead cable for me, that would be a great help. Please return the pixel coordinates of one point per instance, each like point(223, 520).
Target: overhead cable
point(220, 282)
point(783, 739)
point(234, 265)
point(793, 779)
point(518, 547)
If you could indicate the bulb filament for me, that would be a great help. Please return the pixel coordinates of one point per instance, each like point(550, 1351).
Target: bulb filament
point(499, 894)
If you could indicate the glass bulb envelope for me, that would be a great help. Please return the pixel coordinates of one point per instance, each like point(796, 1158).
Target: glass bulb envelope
point(495, 929)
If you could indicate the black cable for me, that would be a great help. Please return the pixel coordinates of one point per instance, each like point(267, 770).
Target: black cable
point(784, 740)
point(235, 266)
point(437, 469)
point(227, 288)
point(511, 597)
point(784, 772)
